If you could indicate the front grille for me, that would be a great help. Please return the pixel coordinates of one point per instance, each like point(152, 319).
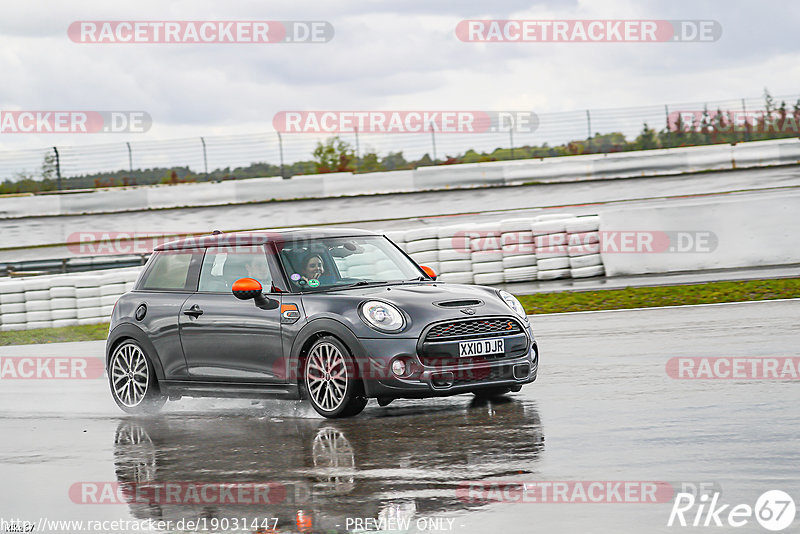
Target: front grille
point(474, 329)
point(478, 376)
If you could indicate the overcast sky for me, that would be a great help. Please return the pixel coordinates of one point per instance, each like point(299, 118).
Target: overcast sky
point(385, 55)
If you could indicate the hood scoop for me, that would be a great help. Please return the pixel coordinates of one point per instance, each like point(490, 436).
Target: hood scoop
point(460, 303)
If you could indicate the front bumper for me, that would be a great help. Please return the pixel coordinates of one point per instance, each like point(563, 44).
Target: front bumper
point(452, 377)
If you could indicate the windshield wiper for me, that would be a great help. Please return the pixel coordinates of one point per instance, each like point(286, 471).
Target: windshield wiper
point(361, 283)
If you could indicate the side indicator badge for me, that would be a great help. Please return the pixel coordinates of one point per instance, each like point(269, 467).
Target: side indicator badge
point(289, 313)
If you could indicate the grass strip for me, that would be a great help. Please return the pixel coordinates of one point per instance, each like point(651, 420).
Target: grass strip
point(648, 297)
point(558, 302)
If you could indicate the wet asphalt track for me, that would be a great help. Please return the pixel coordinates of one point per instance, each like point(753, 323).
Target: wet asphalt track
point(603, 408)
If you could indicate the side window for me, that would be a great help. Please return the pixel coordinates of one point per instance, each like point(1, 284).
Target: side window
point(222, 266)
point(170, 271)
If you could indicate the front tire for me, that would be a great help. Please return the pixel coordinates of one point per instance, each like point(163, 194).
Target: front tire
point(330, 380)
point(133, 381)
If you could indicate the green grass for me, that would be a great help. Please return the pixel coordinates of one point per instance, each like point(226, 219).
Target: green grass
point(87, 332)
point(564, 301)
point(646, 297)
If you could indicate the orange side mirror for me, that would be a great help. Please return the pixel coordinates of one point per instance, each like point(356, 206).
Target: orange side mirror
point(430, 272)
point(246, 288)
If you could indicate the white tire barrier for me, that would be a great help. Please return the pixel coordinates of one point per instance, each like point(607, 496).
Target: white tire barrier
point(589, 260)
point(583, 224)
point(587, 272)
point(424, 233)
point(37, 305)
point(583, 250)
point(553, 263)
point(483, 256)
point(519, 261)
point(14, 318)
point(519, 250)
point(109, 300)
point(36, 316)
point(489, 279)
point(455, 266)
point(67, 313)
point(487, 267)
point(12, 298)
point(551, 240)
point(38, 294)
point(424, 257)
point(558, 251)
point(14, 307)
point(455, 255)
point(583, 238)
point(444, 232)
point(112, 289)
point(516, 225)
point(422, 245)
point(62, 292)
point(89, 312)
point(520, 274)
point(60, 323)
point(552, 274)
point(456, 278)
point(87, 292)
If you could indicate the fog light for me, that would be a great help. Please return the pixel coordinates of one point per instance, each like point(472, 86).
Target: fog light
point(399, 367)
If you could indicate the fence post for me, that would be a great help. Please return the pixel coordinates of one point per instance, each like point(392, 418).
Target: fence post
point(58, 167)
point(746, 123)
point(433, 141)
point(589, 128)
point(280, 148)
point(130, 158)
point(666, 114)
point(205, 159)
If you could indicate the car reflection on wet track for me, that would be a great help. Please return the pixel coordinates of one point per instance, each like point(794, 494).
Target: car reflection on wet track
point(390, 465)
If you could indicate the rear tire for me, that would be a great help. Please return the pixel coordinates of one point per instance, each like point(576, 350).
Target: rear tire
point(330, 380)
point(133, 381)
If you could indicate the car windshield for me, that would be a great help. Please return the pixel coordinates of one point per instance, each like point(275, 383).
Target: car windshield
point(337, 262)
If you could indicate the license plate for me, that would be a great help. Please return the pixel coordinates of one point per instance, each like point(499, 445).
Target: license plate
point(481, 348)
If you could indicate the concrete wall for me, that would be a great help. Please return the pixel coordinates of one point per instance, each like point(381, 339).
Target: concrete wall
point(562, 169)
point(737, 231)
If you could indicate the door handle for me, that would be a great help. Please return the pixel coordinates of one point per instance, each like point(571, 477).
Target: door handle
point(194, 311)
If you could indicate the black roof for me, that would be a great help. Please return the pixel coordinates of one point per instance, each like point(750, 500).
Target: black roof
point(259, 237)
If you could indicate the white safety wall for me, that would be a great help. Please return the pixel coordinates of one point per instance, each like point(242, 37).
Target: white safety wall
point(559, 169)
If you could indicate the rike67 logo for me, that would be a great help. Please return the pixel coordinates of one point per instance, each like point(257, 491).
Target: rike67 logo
point(774, 510)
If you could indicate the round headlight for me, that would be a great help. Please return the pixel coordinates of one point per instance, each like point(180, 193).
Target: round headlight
point(382, 316)
point(513, 303)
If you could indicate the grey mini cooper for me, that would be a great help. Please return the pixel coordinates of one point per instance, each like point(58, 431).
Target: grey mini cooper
point(335, 316)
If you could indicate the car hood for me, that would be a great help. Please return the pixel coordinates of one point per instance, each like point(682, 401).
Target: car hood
point(422, 303)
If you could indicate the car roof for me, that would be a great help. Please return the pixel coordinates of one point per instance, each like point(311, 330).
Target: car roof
point(260, 237)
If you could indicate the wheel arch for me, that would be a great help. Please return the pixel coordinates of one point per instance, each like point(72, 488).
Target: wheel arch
point(126, 331)
point(319, 328)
